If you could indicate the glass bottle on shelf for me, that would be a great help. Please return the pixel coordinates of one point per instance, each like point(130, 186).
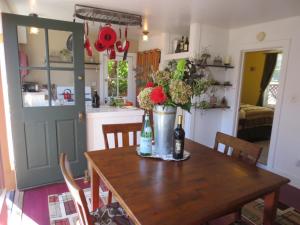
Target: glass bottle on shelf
point(186, 45)
point(182, 44)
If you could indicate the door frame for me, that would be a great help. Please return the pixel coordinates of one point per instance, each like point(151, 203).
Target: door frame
point(131, 79)
point(284, 46)
point(6, 149)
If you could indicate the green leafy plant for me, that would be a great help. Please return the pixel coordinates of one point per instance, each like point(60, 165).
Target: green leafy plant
point(200, 86)
point(180, 68)
point(202, 105)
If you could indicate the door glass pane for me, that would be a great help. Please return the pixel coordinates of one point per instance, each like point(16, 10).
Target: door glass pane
point(60, 48)
point(34, 88)
point(32, 48)
point(62, 83)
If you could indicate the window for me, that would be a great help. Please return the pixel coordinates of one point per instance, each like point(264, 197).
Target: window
point(271, 93)
point(117, 78)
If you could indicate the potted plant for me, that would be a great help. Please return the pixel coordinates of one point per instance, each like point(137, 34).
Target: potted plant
point(167, 91)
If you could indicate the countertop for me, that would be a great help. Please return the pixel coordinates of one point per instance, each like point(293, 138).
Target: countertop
point(111, 111)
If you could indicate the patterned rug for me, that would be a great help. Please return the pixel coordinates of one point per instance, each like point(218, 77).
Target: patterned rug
point(253, 213)
point(62, 210)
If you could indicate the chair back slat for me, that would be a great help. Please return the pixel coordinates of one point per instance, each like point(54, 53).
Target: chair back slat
point(116, 140)
point(125, 138)
point(124, 129)
point(242, 150)
point(134, 138)
point(76, 192)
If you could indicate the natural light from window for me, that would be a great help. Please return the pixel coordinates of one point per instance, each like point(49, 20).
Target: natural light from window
point(271, 93)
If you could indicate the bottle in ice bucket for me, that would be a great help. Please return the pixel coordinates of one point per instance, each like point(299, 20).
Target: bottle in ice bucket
point(146, 137)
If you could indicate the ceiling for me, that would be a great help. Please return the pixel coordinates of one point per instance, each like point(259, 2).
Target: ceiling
point(172, 15)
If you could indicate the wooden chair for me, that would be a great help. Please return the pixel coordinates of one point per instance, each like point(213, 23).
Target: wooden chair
point(124, 129)
point(242, 150)
point(85, 218)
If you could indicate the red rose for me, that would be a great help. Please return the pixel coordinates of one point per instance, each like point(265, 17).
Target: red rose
point(149, 84)
point(158, 95)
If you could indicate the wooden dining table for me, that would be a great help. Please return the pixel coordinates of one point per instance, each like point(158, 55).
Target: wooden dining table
point(206, 186)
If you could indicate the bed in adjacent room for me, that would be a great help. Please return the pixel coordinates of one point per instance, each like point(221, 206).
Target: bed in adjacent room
point(255, 122)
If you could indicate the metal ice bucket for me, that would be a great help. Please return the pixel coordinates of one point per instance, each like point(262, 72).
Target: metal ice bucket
point(164, 122)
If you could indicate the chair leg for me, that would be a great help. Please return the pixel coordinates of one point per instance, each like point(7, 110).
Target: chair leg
point(238, 215)
point(109, 200)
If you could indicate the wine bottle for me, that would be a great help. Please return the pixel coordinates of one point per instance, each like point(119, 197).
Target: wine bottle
point(179, 135)
point(95, 100)
point(146, 137)
point(182, 44)
point(186, 45)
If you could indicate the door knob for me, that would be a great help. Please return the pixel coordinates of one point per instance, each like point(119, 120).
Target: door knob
point(81, 116)
point(80, 77)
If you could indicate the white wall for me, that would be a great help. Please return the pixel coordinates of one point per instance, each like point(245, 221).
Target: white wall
point(155, 41)
point(286, 148)
point(4, 7)
point(205, 124)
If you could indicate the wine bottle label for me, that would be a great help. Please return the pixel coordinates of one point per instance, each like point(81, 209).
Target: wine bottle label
point(178, 146)
point(146, 145)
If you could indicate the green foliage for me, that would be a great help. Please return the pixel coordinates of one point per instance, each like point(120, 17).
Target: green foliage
point(200, 86)
point(180, 83)
point(118, 74)
point(202, 105)
point(122, 69)
point(180, 68)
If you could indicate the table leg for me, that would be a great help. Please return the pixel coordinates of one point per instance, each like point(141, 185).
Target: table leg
point(109, 200)
point(95, 182)
point(271, 201)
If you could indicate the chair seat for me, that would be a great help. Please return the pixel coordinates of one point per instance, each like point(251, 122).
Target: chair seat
point(111, 214)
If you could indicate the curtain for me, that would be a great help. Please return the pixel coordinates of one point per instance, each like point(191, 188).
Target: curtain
point(147, 62)
point(270, 63)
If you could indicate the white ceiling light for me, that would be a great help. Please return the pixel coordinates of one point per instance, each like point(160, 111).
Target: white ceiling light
point(33, 30)
point(145, 35)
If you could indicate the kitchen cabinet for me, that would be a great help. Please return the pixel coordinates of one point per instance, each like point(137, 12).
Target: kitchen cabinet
point(96, 117)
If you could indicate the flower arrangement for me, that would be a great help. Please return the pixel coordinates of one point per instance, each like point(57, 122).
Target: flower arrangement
point(173, 88)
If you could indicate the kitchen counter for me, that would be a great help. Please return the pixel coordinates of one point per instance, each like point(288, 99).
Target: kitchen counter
point(105, 110)
point(96, 117)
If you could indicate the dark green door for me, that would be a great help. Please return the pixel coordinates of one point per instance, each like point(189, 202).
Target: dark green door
point(46, 96)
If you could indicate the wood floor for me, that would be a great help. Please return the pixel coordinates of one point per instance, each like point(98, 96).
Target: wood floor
point(31, 206)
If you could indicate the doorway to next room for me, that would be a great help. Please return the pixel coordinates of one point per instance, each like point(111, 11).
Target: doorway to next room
point(259, 95)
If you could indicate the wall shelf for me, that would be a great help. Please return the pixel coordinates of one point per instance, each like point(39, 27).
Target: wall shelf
point(218, 66)
point(176, 56)
point(214, 107)
point(222, 85)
